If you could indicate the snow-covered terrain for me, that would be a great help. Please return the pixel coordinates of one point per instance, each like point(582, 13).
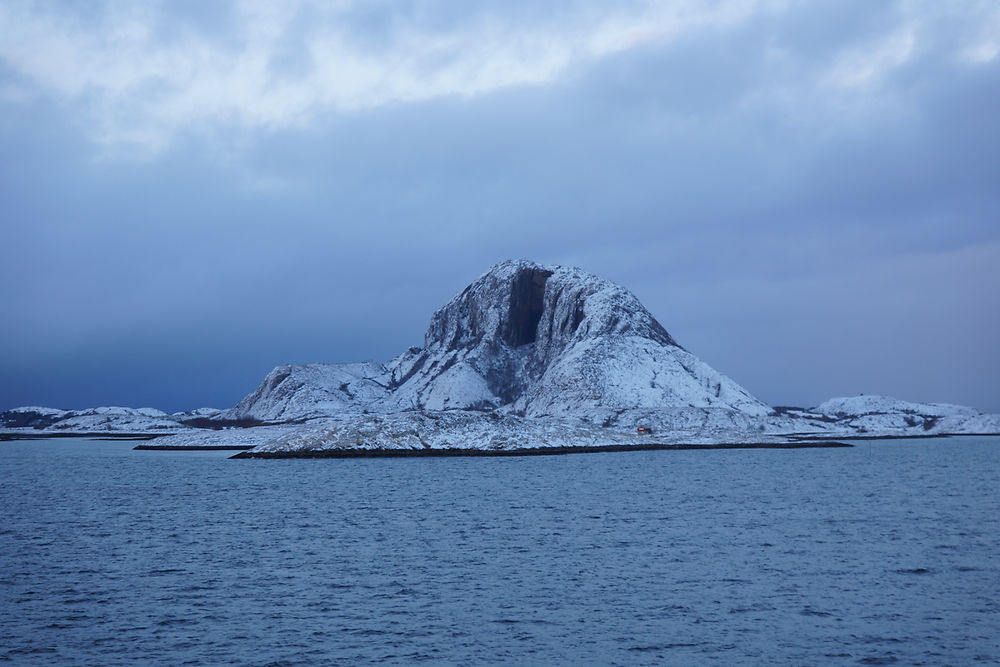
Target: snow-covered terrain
point(475, 429)
point(882, 415)
point(296, 393)
point(115, 420)
point(524, 339)
point(527, 356)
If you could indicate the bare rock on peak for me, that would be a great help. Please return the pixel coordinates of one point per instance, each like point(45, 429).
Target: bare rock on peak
point(551, 340)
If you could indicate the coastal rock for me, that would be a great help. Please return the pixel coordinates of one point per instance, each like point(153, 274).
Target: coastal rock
point(425, 431)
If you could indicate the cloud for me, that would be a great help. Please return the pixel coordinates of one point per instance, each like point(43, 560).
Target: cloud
point(321, 176)
point(142, 74)
point(869, 63)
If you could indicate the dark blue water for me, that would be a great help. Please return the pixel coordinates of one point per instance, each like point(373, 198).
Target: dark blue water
point(883, 553)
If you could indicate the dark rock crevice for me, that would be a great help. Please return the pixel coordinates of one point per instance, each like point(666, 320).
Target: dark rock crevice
point(527, 303)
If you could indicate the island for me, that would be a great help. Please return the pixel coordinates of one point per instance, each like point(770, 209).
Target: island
point(527, 359)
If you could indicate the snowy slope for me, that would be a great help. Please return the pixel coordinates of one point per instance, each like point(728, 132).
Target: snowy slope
point(890, 416)
point(100, 420)
point(129, 420)
point(293, 393)
point(473, 429)
point(548, 340)
point(884, 405)
point(110, 419)
point(629, 373)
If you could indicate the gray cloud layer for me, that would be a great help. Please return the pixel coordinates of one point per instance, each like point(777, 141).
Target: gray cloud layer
point(803, 193)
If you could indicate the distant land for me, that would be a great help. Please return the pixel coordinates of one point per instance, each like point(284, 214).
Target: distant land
point(526, 359)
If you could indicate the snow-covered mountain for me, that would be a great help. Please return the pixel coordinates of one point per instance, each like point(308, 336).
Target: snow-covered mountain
point(541, 341)
point(522, 338)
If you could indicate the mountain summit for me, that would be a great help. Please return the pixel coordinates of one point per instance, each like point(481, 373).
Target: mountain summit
point(523, 338)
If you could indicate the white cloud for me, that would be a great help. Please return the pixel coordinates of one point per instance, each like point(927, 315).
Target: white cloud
point(290, 64)
point(983, 45)
point(870, 63)
point(135, 88)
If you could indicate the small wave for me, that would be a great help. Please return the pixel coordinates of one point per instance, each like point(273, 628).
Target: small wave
point(662, 647)
point(814, 612)
point(368, 632)
point(878, 640)
point(33, 650)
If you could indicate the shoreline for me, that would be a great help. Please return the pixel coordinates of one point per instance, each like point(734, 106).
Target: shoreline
point(191, 448)
point(921, 436)
point(524, 451)
point(93, 435)
point(794, 441)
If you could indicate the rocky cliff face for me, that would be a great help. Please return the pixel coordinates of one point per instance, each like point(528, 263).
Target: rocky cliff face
point(548, 340)
point(523, 338)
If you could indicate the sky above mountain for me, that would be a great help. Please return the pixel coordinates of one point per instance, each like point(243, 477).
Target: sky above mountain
point(805, 194)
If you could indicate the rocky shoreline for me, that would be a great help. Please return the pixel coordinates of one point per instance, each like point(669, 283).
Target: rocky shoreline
point(192, 448)
point(95, 435)
point(524, 451)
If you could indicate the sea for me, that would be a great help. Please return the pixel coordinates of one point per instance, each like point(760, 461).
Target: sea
point(884, 553)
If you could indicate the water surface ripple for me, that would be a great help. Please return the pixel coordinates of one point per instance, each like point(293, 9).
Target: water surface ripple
point(885, 553)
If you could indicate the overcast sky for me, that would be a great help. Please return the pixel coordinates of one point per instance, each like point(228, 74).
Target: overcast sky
point(805, 194)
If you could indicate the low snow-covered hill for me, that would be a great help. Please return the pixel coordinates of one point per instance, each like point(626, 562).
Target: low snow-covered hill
point(102, 420)
point(890, 416)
